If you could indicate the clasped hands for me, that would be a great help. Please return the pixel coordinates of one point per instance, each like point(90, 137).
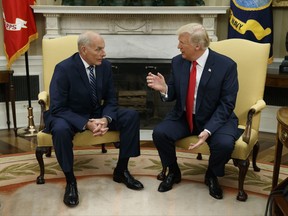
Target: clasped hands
point(97, 126)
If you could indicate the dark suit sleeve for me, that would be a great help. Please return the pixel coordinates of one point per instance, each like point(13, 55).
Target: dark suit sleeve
point(177, 85)
point(226, 100)
point(171, 91)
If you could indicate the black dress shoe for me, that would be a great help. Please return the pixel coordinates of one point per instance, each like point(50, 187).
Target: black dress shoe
point(214, 187)
point(71, 198)
point(126, 178)
point(168, 182)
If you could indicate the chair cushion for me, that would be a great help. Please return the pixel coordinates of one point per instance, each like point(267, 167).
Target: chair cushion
point(80, 139)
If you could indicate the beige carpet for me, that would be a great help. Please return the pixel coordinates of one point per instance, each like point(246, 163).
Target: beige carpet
point(99, 195)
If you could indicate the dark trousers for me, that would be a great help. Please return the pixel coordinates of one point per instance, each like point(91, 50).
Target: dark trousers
point(168, 132)
point(127, 123)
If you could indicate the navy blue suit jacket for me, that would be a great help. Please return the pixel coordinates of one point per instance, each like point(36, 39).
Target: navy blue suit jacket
point(71, 97)
point(216, 96)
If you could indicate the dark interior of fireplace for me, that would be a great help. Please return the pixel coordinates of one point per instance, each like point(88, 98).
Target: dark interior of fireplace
point(133, 92)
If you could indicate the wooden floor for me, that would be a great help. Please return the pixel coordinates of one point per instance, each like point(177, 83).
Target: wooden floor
point(9, 144)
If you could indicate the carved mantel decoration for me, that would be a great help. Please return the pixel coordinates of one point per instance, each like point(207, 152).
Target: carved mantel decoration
point(280, 3)
point(155, 26)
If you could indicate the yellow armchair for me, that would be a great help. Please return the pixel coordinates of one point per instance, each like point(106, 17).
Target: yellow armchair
point(251, 59)
point(54, 51)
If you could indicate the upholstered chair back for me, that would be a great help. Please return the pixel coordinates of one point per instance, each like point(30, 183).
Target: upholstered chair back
point(249, 57)
point(54, 51)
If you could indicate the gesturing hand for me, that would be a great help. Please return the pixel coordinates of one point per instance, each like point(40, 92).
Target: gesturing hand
point(202, 138)
point(156, 82)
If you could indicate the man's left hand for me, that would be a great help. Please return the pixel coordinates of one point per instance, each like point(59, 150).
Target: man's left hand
point(202, 138)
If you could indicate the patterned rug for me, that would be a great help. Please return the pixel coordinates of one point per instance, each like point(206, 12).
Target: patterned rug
point(101, 196)
point(21, 168)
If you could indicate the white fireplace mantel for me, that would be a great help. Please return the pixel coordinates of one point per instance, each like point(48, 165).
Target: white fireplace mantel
point(56, 9)
point(130, 32)
point(63, 20)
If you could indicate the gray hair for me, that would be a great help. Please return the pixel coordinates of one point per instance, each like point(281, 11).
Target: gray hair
point(84, 38)
point(198, 34)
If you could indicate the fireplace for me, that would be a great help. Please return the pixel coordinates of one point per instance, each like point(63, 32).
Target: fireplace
point(132, 91)
point(137, 39)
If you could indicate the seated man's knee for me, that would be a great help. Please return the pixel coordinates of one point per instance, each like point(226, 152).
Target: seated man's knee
point(158, 132)
point(61, 127)
point(134, 114)
point(222, 143)
point(227, 145)
point(131, 115)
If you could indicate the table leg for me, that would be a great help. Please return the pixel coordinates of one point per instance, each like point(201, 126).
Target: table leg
point(7, 104)
point(12, 100)
point(277, 162)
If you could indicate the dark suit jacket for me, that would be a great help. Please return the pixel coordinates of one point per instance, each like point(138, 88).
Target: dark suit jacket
point(71, 97)
point(216, 94)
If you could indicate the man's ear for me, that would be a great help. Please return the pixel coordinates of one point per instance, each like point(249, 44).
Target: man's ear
point(197, 47)
point(83, 50)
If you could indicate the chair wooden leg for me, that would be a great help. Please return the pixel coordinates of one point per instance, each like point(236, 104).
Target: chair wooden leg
point(49, 152)
point(116, 145)
point(243, 168)
point(103, 148)
point(39, 156)
point(254, 157)
point(161, 176)
point(199, 156)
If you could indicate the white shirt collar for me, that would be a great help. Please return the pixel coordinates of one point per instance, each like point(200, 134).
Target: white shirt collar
point(203, 58)
point(84, 62)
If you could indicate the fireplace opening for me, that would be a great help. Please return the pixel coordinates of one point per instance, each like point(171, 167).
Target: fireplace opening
point(132, 91)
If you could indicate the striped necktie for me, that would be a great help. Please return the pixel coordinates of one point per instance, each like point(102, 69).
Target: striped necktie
point(93, 84)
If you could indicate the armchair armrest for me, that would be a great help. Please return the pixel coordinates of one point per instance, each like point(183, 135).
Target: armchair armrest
point(259, 106)
point(43, 100)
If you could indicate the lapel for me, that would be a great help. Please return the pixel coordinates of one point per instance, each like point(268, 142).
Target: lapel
point(184, 80)
point(206, 75)
point(83, 74)
point(99, 78)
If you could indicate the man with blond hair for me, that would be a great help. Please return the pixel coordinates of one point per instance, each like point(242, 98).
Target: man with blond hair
point(204, 85)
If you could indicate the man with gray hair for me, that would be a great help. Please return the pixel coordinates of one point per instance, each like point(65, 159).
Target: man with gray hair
point(82, 97)
point(204, 85)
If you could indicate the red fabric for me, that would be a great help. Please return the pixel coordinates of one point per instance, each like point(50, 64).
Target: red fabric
point(19, 28)
point(190, 96)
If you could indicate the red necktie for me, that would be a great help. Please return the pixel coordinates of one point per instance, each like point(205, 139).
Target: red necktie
point(190, 96)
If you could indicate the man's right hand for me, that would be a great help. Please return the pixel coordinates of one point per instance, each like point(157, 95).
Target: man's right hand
point(156, 82)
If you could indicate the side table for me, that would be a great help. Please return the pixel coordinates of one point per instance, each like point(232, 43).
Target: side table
point(276, 80)
point(6, 78)
point(281, 204)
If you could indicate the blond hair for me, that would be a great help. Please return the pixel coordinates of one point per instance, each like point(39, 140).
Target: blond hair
point(198, 34)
